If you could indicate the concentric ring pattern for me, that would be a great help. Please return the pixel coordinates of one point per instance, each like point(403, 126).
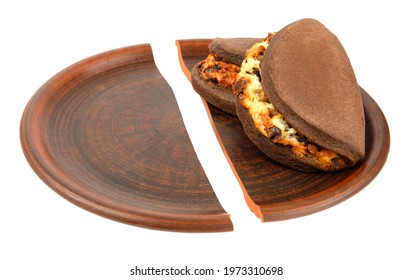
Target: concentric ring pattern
point(106, 133)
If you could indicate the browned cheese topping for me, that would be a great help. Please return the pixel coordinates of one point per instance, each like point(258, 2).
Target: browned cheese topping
point(267, 119)
point(217, 71)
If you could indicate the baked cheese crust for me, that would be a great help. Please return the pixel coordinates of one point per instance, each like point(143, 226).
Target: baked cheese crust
point(268, 121)
point(217, 71)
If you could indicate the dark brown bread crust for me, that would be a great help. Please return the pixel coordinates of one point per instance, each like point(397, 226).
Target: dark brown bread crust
point(215, 94)
point(308, 77)
point(232, 50)
point(281, 153)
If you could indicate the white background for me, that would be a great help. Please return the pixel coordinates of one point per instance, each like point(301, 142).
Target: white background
point(42, 236)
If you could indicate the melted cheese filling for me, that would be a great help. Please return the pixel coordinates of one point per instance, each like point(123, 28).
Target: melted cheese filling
point(216, 71)
point(268, 121)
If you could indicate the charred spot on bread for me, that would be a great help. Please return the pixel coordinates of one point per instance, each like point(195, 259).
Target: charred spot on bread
point(217, 71)
point(218, 95)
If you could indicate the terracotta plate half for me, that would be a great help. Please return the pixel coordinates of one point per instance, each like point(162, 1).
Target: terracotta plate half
point(274, 192)
point(106, 134)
